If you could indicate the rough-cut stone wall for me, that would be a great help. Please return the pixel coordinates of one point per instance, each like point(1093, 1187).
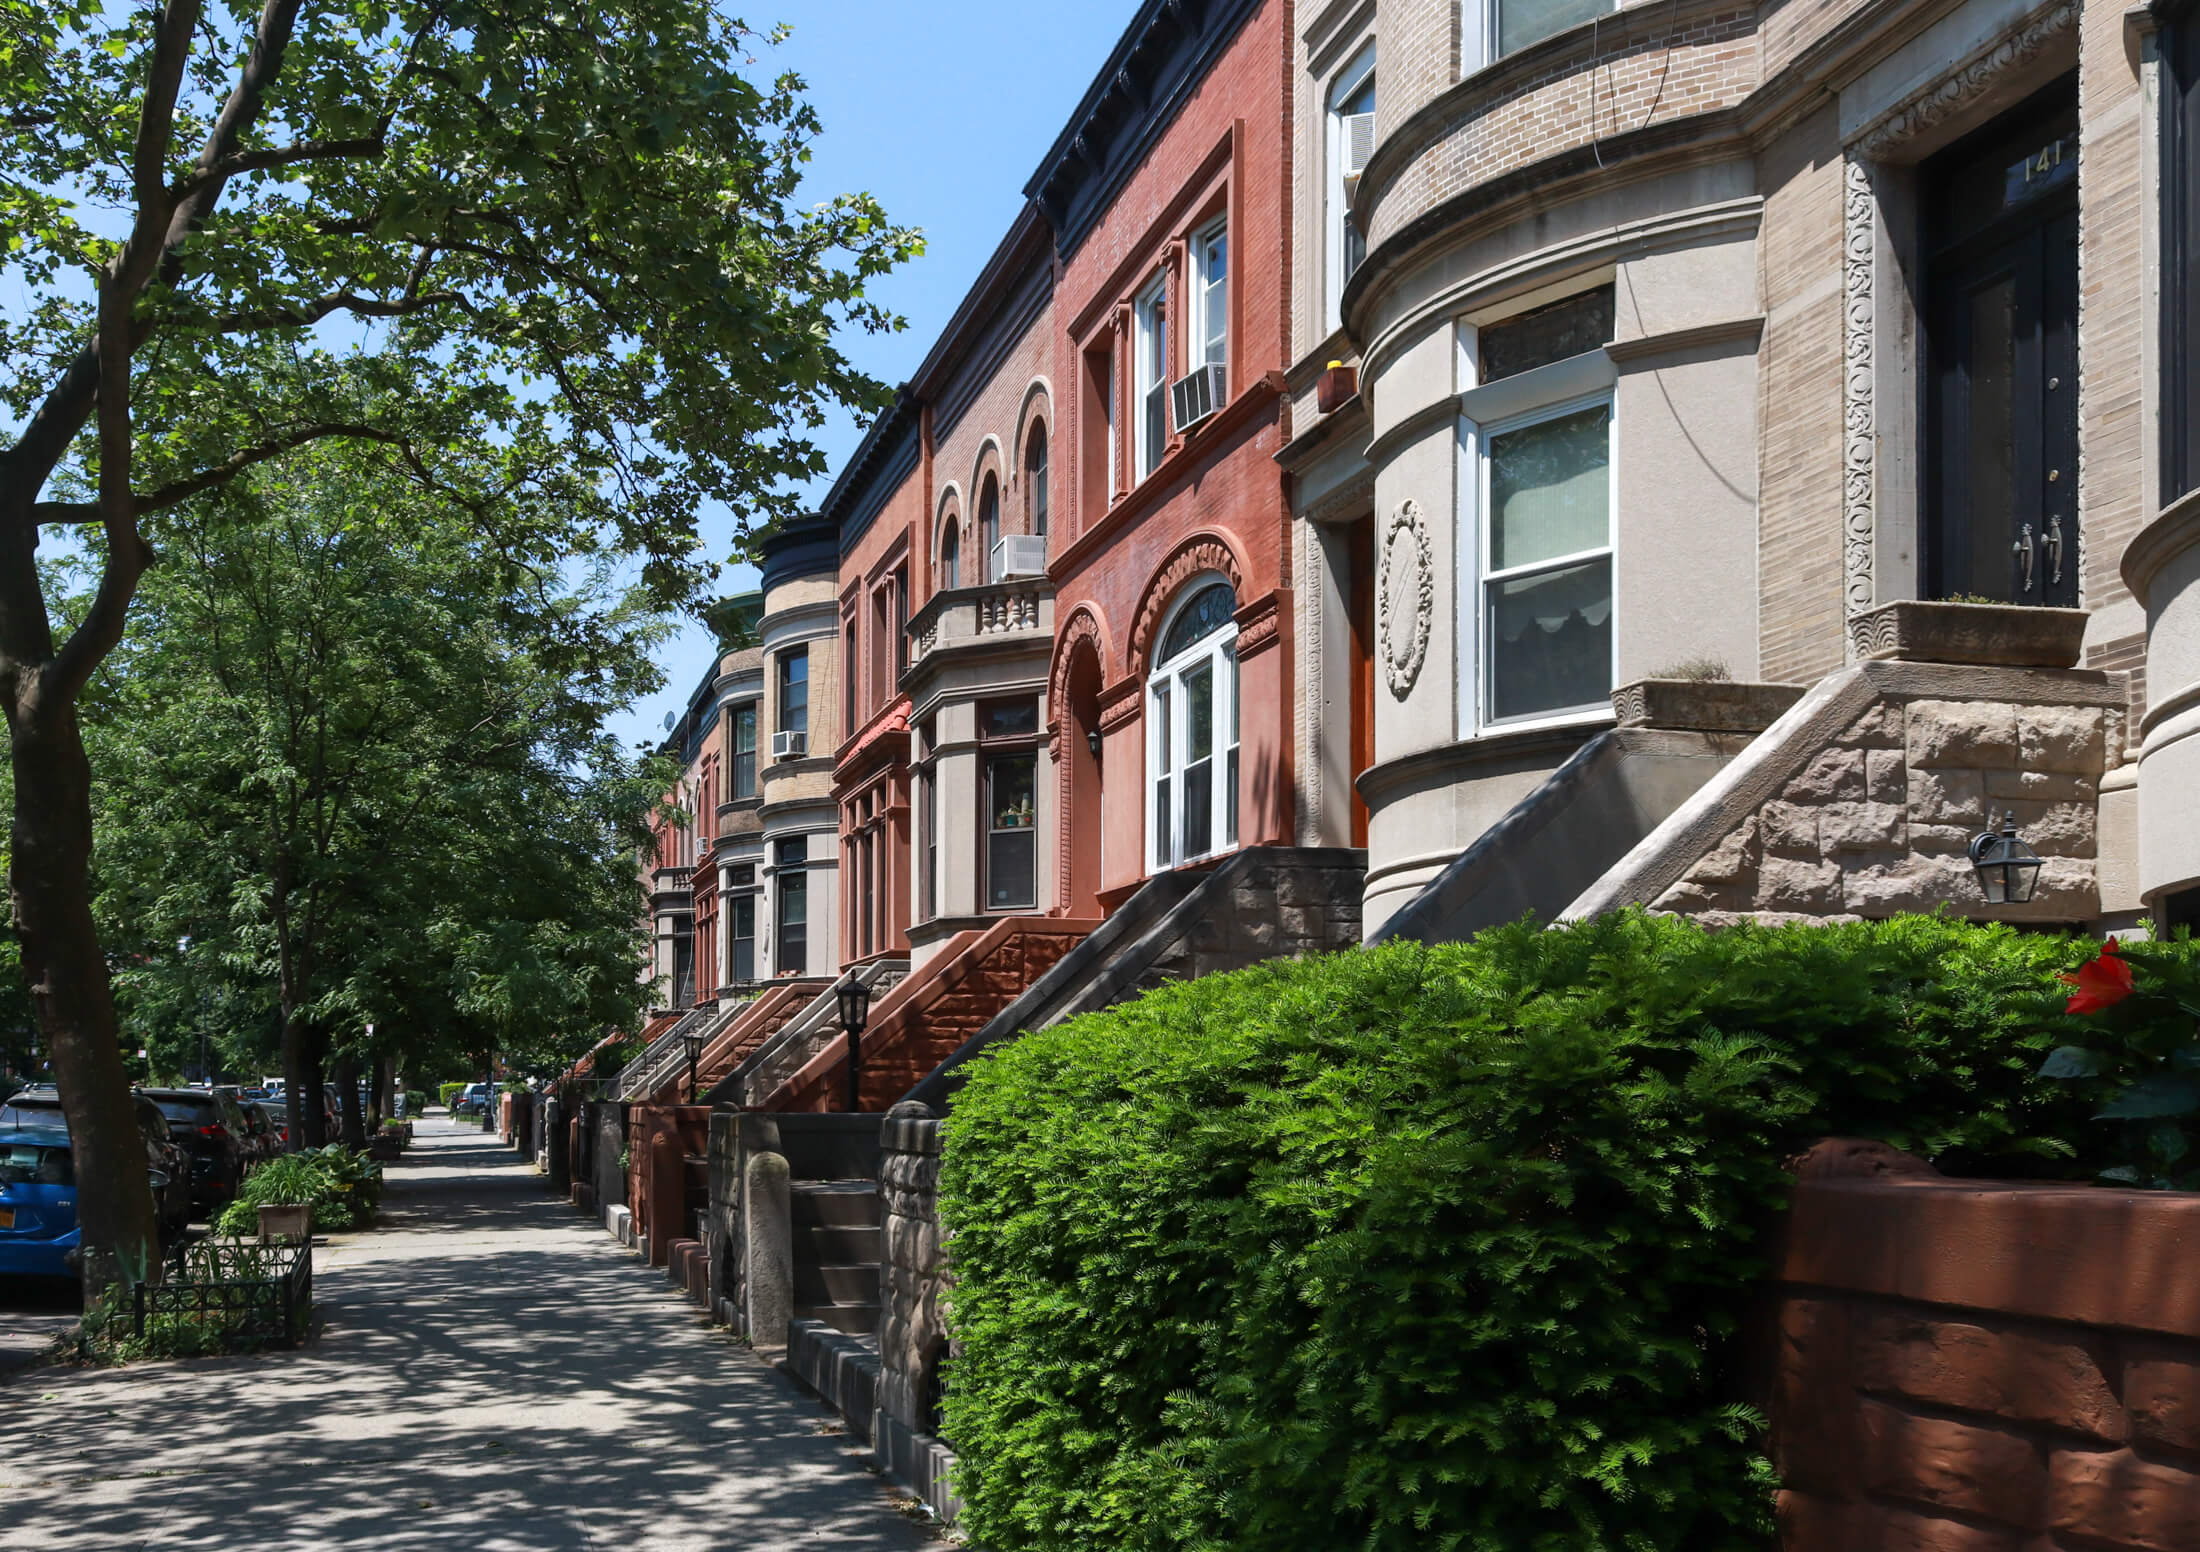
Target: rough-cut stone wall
point(912, 1331)
point(1962, 1366)
point(1292, 902)
point(1878, 822)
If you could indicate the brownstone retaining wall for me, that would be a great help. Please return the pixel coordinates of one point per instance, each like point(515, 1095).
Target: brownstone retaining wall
point(1973, 1366)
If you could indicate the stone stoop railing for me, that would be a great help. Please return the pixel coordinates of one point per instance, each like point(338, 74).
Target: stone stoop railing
point(636, 1079)
point(1263, 903)
point(751, 1023)
point(1861, 800)
point(783, 1054)
point(1673, 737)
point(930, 1014)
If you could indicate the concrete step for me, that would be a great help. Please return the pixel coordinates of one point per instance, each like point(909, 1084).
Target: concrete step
point(835, 1203)
point(855, 1319)
point(821, 1244)
point(835, 1284)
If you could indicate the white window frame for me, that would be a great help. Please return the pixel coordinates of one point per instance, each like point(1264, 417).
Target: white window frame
point(1539, 394)
point(1220, 651)
point(1344, 85)
point(1204, 298)
point(1150, 328)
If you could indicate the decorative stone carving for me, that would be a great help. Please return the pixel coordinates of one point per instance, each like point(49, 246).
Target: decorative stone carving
point(1970, 80)
point(1405, 596)
point(1859, 435)
point(1200, 553)
point(1994, 635)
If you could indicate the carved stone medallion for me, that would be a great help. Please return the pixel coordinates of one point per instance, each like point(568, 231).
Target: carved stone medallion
point(1405, 596)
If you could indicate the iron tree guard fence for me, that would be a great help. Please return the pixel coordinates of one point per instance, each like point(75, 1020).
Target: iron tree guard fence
point(254, 1295)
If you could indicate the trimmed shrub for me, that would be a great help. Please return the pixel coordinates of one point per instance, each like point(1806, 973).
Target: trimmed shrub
point(1446, 1247)
point(446, 1092)
point(342, 1187)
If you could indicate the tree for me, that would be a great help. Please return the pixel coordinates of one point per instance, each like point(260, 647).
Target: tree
point(545, 256)
point(357, 777)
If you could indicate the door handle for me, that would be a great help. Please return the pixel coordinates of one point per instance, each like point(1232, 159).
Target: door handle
point(2023, 547)
point(2054, 550)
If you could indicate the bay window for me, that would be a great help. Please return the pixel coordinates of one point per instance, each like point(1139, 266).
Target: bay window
point(1011, 782)
point(1522, 22)
point(1192, 738)
point(1351, 139)
point(794, 690)
point(741, 937)
point(791, 884)
point(744, 752)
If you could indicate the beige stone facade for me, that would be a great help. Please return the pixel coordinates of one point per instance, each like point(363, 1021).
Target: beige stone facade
point(1757, 187)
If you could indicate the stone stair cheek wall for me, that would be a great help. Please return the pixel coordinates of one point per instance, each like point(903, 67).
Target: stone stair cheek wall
point(1929, 1394)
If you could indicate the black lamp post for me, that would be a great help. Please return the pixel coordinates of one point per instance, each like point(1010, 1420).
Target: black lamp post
point(855, 1012)
point(2008, 870)
point(693, 1039)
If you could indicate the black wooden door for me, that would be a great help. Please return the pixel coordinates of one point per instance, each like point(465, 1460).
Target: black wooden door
point(2001, 340)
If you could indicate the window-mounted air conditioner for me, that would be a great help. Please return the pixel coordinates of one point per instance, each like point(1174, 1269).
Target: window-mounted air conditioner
point(790, 746)
point(1357, 142)
point(1197, 396)
point(1020, 555)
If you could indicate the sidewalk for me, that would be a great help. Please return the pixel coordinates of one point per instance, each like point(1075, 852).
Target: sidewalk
point(493, 1373)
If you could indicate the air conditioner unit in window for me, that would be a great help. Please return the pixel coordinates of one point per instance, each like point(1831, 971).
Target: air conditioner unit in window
point(1020, 555)
point(1197, 396)
point(790, 746)
point(1357, 143)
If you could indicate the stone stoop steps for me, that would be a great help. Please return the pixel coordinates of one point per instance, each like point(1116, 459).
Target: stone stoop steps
point(836, 1253)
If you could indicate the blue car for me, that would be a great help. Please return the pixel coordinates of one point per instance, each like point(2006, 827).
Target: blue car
point(38, 1232)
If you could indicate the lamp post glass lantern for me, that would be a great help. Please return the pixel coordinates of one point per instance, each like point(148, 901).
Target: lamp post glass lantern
point(855, 1012)
point(693, 1039)
point(2008, 870)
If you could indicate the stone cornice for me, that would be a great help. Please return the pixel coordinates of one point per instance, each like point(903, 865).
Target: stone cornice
point(2173, 531)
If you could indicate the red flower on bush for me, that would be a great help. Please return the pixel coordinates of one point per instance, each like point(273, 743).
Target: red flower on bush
point(2101, 982)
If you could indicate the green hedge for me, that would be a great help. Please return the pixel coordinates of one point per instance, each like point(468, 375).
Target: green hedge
point(446, 1092)
point(1445, 1248)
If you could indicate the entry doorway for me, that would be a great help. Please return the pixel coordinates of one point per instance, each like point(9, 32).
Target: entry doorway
point(2002, 359)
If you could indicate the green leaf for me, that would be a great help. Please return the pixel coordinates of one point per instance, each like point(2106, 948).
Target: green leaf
point(2161, 1095)
point(2071, 1061)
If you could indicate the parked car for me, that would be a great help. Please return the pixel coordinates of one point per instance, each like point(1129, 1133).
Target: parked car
point(262, 1140)
point(277, 1116)
point(212, 1131)
point(38, 1230)
point(473, 1099)
point(39, 1106)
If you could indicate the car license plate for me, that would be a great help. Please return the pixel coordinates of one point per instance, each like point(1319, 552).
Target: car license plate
point(7, 1217)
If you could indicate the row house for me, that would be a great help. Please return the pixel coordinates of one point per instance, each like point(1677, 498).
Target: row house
point(1411, 464)
point(1742, 454)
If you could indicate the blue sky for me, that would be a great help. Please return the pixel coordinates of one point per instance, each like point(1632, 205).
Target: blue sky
point(943, 113)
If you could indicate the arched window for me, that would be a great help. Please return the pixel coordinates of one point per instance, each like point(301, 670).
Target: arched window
point(989, 528)
point(951, 557)
point(1035, 478)
point(1192, 730)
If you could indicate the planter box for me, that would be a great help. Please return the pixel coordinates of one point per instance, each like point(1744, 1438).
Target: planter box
point(1985, 635)
point(1703, 705)
point(286, 1223)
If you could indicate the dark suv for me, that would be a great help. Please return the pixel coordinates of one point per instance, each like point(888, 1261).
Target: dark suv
point(40, 1105)
point(212, 1131)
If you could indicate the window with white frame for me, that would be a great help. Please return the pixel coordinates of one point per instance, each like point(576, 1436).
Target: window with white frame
point(951, 557)
point(1518, 23)
point(1207, 341)
point(1547, 563)
point(989, 528)
point(1192, 730)
point(1151, 390)
point(1351, 140)
point(1537, 433)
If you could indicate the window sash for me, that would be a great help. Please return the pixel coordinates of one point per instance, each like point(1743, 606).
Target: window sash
point(1192, 773)
point(793, 953)
point(1011, 870)
point(1152, 387)
point(1208, 342)
point(794, 691)
point(1492, 579)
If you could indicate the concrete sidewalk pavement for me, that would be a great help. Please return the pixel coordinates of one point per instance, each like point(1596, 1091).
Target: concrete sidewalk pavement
point(493, 1373)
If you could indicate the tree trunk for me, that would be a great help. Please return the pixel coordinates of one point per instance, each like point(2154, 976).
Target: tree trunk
point(347, 1102)
point(313, 1056)
point(385, 1086)
point(295, 1091)
point(49, 881)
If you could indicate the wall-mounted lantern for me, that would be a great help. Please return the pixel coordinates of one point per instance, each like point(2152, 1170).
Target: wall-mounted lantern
point(2008, 870)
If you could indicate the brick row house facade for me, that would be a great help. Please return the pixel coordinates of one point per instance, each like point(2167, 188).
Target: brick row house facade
point(1415, 462)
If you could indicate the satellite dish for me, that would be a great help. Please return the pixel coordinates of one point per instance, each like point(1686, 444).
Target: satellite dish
point(670, 718)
